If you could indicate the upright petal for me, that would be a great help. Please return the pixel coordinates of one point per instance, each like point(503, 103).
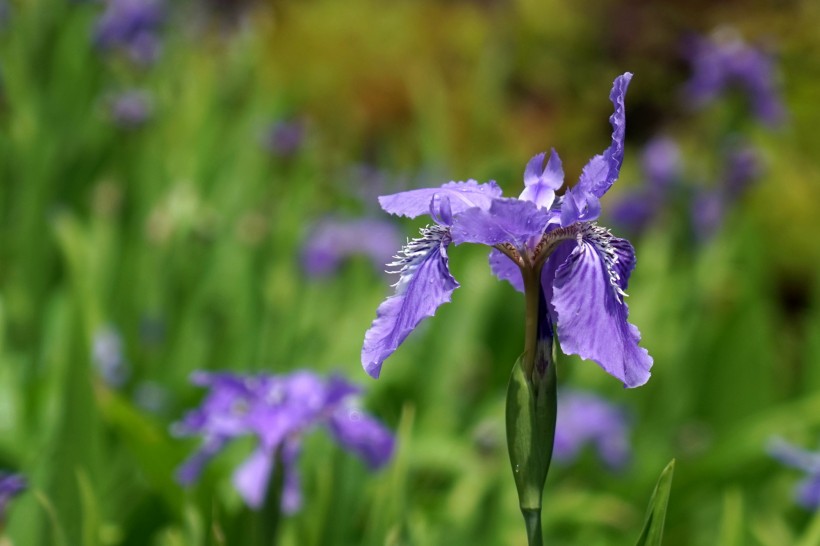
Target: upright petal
point(587, 301)
point(507, 220)
point(362, 434)
point(425, 283)
point(462, 196)
point(541, 182)
point(602, 170)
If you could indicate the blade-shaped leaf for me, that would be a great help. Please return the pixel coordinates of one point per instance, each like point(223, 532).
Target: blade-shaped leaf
point(652, 534)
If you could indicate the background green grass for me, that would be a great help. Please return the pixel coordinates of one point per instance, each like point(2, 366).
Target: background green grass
point(185, 236)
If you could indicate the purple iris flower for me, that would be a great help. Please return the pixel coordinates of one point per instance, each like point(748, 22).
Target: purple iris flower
point(586, 419)
point(107, 355)
point(130, 109)
point(661, 163)
point(808, 490)
point(284, 138)
point(11, 485)
point(742, 166)
point(662, 166)
point(583, 268)
point(131, 26)
point(723, 61)
point(278, 410)
point(333, 240)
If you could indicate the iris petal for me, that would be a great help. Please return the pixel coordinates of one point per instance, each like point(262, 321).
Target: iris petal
point(363, 435)
point(542, 181)
point(507, 220)
point(506, 270)
point(424, 285)
point(462, 196)
point(587, 301)
point(602, 170)
point(251, 478)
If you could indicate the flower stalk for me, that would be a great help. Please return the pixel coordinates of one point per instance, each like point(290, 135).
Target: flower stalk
point(532, 408)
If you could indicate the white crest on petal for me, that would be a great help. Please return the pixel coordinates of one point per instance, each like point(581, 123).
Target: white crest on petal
point(602, 239)
point(414, 253)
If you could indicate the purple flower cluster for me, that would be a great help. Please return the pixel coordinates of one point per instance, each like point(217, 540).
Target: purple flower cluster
point(664, 181)
point(582, 268)
point(11, 485)
point(131, 26)
point(586, 419)
point(333, 240)
point(808, 490)
point(278, 410)
point(723, 61)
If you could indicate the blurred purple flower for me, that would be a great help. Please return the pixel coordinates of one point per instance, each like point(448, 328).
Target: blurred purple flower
point(662, 167)
point(108, 358)
point(333, 240)
point(724, 60)
point(131, 26)
point(130, 109)
point(634, 211)
point(808, 490)
point(586, 419)
point(11, 485)
point(284, 138)
point(707, 210)
point(742, 166)
point(661, 162)
point(278, 410)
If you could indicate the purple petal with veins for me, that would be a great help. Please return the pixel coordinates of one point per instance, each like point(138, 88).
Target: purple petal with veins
point(462, 196)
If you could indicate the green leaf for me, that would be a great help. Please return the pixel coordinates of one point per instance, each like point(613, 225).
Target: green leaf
point(652, 534)
point(530, 432)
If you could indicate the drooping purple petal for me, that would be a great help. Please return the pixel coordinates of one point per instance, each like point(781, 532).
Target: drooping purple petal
point(504, 268)
point(252, 478)
point(541, 181)
point(191, 469)
point(508, 220)
point(581, 201)
point(363, 435)
point(424, 285)
point(462, 196)
point(588, 304)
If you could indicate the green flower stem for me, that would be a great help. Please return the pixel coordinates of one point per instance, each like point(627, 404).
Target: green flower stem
point(531, 408)
point(532, 519)
point(532, 297)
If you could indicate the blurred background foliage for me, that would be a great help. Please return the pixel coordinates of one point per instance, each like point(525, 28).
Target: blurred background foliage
point(175, 220)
